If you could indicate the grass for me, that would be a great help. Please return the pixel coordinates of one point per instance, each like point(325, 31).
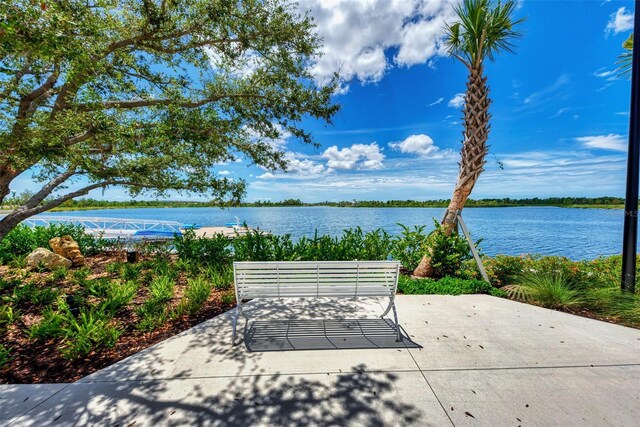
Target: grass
point(548, 289)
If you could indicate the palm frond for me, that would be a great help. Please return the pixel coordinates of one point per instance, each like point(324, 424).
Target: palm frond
point(625, 59)
point(483, 30)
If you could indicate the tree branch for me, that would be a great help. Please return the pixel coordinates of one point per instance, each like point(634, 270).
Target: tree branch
point(49, 187)
point(154, 102)
point(16, 79)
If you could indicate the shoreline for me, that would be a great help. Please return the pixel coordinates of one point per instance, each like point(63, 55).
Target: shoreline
point(93, 208)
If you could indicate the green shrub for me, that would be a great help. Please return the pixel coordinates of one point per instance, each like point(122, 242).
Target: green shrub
point(60, 273)
point(51, 325)
point(445, 286)
point(118, 296)
point(8, 315)
point(130, 271)
point(5, 355)
point(228, 298)
point(24, 293)
point(549, 289)
point(44, 296)
point(23, 239)
point(196, 293)
point(409, 246)
point(114, 268)
point(79, 276)
point(223, 279)
point(19, 262)
point(258, 246)
point(90, 330)
point(612, 302)
point(98, 287)
point(153, 314)
point(502, 269)
point(161, 288)
point(162, 266)
point(448, 252)
point(213, 250)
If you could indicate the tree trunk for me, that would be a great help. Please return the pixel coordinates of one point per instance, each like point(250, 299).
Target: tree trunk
point(472, 156)
point(10, 222)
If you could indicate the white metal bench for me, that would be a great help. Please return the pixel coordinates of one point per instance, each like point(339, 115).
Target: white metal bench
point(316, 279)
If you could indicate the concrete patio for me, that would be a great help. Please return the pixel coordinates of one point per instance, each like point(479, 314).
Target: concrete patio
point(479, 360)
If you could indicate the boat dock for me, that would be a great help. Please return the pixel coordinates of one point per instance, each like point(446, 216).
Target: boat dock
point(138, 229)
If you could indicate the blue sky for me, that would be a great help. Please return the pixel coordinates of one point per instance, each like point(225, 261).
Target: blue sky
point(560, 113)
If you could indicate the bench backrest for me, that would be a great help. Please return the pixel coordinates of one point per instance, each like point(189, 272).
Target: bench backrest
point(347, 279)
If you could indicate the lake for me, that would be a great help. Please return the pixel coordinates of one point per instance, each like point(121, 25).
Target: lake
point(574, 233)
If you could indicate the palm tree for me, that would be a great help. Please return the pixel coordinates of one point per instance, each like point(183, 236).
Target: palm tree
point(624, 59)
point(484, 29)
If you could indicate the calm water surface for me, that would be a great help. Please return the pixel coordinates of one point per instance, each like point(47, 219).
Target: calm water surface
point(575, 233)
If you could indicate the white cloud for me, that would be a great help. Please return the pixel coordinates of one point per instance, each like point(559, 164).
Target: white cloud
point(557, 88)
point(266, 175)
point(612, 142)
point(278, 143)
point(436, 102)
point(457, 101)
point(560, 112)
point(358, 156)
point(421, 144)
point(225, 172)
point(357, 35)
point(602, 73)
point(620, 21)
point(304, 167)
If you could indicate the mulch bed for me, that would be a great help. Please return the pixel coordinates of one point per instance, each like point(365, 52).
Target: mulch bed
point(35, 362)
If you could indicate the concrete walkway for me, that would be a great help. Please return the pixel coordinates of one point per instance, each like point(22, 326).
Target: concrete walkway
point(483, 361)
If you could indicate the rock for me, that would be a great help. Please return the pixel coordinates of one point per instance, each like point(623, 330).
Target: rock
point(68, 248)
point(47, 259)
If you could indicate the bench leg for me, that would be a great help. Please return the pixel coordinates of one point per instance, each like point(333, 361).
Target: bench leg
point(237, 314)
point(235, 325)
point(391, 304)
point(395, 317)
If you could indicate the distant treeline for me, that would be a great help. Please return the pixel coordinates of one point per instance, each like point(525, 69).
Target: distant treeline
point(550, 201)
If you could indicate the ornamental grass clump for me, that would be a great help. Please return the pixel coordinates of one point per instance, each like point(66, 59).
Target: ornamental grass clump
point(548, 289)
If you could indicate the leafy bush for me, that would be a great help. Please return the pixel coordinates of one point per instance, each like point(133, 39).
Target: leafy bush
point(448, 251)
point(502, 269)
point(213, 250)
point(445, 286)
point(118, 296)
point(409, 247)
point(8, 315)
point(90, 330)
point(44, 296)
point(612, 302)
point(130, 271)
point(24, 293)
point(51, 325)
point(5, 355)
point(60, 273)
point(161, 288)
point(228, 298)
point(258, 246)
point(98, 287)
point(196, 293)
point(114, 267)
point(152, 314)
point(24, 239)
point(549, 289)
point(79, 276)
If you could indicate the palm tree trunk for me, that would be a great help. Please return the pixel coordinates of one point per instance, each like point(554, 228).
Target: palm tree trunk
point(472, 156)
